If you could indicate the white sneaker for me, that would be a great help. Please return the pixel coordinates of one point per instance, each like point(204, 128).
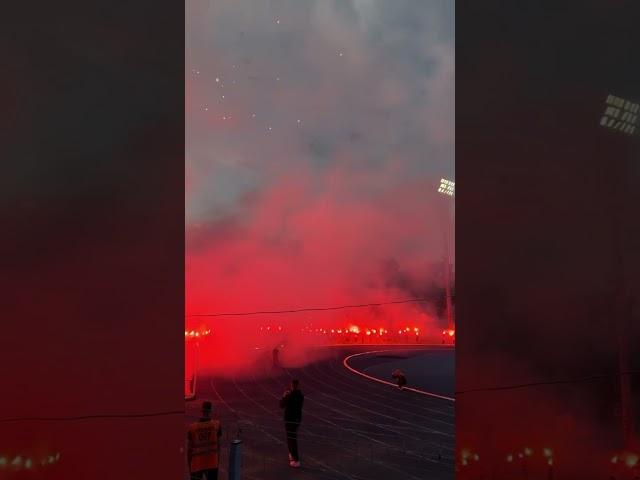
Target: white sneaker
point(294, 464)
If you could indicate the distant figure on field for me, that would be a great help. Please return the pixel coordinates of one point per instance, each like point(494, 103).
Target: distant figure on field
point(400, 378)
point(203, 445)
point(291, 402)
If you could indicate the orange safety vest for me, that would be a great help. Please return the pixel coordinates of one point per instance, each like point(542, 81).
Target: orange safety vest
point(203, 445)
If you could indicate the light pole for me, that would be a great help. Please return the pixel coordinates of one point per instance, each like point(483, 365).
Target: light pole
point(621, 115)
point(194, 337)
point(447, 188)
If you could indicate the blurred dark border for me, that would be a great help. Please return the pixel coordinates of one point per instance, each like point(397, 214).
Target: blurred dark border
point(547, 238)
point(92, 238)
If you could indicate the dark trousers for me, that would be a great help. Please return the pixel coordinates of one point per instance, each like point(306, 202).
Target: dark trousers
point(292, 439)
point(211, 474)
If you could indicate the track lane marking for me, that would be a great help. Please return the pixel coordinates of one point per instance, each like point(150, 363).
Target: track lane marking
point(338, 369)
point(345, 362)
point(403, 408)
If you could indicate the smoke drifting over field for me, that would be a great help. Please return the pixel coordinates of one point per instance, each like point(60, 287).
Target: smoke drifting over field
point(298, 250)
point(317, 133)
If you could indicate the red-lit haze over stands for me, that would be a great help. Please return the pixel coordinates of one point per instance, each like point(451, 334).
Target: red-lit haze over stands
point(316, 140)
point(295, 248)
point(234, 346)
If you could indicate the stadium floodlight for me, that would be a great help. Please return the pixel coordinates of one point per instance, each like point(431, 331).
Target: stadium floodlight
point(447, 187)
point(621, 115)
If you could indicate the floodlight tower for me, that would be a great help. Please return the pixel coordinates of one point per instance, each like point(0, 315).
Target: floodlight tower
point(622, 116)
point(193, 337)
point(447, 188)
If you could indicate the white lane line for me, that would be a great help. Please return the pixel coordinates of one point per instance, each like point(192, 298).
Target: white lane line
point(366, 436)
point(369, 398)
point(425, 429)
point(407, 402)
point(327, 468)
point(345, 362)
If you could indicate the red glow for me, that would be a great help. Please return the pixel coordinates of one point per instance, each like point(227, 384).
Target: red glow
point(197, 333)
point(259, 338)
point(307, 240)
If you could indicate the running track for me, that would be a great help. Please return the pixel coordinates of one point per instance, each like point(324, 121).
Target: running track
point(352, 428)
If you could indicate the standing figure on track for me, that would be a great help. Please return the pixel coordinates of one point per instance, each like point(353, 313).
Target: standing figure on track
point(203, 445)
point(400, 378)
point(291, 402)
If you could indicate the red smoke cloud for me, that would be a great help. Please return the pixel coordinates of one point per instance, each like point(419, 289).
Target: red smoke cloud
point(315, 241)
point(312, 183)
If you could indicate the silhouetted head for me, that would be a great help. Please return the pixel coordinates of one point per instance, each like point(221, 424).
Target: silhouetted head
point(207, 406)
point(295, 384)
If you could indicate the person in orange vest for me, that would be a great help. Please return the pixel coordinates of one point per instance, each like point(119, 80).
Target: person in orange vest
point(203, 445)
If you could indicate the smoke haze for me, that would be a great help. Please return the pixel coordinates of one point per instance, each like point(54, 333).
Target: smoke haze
point(317, 133)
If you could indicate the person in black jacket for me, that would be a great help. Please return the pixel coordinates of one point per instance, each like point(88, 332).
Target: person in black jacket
point(291, 402)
